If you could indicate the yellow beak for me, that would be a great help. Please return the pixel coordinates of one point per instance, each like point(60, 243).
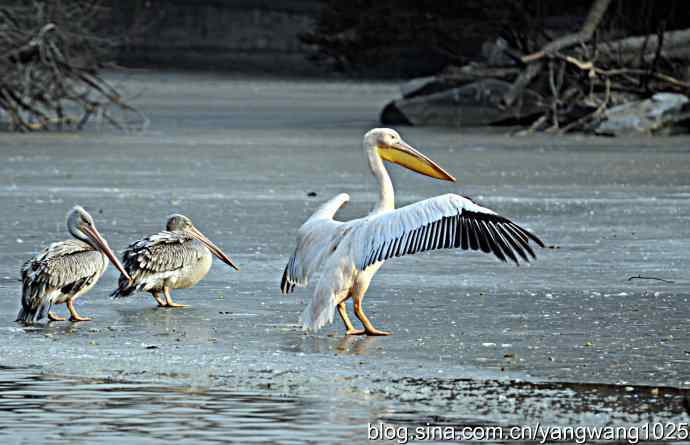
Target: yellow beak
point(403, 154)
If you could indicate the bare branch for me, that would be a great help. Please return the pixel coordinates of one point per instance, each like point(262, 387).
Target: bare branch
point(534, 67)
point(49, 67)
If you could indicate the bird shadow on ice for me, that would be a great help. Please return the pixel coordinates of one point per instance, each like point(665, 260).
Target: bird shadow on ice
point(56, 328)
point(342, 345)
point(155, 314)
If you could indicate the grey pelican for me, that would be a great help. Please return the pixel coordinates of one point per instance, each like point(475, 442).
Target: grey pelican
point(176, 258)
point(350, 253)
point(65, 270)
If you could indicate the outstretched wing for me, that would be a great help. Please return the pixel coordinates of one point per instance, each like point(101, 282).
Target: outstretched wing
point(317, 237)
point(446, 221)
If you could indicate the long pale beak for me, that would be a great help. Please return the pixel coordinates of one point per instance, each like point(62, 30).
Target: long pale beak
point(403, 154)
point(102, 245)
point(213, 248)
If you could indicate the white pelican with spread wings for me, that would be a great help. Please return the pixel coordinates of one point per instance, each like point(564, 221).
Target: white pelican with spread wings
point(350, 253)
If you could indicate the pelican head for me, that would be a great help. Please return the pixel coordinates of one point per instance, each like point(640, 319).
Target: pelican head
point(181, 223)
point(178, 223)
point(81, 225)
point(389, 146)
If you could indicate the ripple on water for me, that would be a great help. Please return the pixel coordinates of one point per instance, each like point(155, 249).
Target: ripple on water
point(52, 409)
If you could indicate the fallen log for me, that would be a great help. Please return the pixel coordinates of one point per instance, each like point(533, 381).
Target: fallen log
point(639, 50)
point(671, 40)
point(454, 77)
point(471, 105)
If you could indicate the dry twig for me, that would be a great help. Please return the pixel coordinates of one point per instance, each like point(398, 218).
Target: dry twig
point(640, 277)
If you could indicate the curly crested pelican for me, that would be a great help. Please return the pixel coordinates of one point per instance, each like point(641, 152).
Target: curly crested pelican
point(65, 270)
point(352, 252)
point(176, 258)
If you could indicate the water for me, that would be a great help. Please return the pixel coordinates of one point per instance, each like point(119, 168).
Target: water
point(475, 341)
point(61, 409)
point(53, 409)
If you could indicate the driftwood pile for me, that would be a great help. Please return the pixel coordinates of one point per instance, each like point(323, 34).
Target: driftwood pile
point(49, 69)
point(584, 78)
point(571, 84)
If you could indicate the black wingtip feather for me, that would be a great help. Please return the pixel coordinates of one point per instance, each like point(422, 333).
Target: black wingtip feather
point(472, 234)
point(504, 246)
point(464, 244)
point(479, 229)
point(529, 235)
point(523, 241)
point(284, 283)
point(496, 249)
point(516, 247)
point(535, 238)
